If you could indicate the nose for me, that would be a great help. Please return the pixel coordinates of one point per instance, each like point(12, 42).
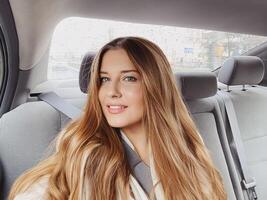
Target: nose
point(114, 90)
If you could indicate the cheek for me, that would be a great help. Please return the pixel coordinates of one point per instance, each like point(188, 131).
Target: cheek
point(134, 96)
point(100, 96)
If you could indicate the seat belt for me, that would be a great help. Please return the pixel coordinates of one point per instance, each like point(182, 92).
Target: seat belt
point(248, 182)
point(60, 104)
point(140, 170)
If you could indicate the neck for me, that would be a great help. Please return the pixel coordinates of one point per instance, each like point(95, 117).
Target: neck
point(138, 138)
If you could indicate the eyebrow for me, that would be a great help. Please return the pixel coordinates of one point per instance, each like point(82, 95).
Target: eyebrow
point(122, 72)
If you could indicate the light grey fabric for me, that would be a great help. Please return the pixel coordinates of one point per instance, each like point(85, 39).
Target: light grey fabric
point(140, 170)
point(251, 108)
point(206, 111)
point(242, 70)
point(248, 182)
point(61, 105)
point(207, 117)
point(25, 134)
point(196, 84)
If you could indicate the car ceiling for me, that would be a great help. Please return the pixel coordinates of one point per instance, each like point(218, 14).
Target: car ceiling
point(36, 19)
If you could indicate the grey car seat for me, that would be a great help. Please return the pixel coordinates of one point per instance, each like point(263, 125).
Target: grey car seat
point(23, 145)
point(199, 90)
point(239, 78)
point(27, 131)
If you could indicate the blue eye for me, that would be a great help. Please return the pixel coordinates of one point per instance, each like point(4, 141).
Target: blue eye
point(130, 78)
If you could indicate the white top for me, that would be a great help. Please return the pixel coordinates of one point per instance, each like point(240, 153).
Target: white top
point(37, 190)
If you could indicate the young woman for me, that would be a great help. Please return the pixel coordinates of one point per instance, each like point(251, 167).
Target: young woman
point(132, 99)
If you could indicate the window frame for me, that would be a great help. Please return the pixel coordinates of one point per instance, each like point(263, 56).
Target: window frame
point(3, 51)
point(10, 46)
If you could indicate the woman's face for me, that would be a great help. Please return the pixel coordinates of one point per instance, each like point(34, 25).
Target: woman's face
point(120, 93)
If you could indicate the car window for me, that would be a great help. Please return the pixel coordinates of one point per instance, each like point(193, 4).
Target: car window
point(186, 48)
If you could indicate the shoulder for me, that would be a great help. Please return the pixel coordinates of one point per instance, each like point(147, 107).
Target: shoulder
point(36, 191)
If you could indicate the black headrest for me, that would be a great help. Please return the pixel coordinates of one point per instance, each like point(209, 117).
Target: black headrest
point(85, 71)
point(242, 70)
point(195, 85)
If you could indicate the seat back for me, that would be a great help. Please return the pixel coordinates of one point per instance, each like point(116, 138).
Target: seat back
point(27, 131)
point(25, 134)
point(198, 90)
point(239, 77)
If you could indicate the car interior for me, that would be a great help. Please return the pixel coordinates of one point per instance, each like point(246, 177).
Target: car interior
point(228, 102)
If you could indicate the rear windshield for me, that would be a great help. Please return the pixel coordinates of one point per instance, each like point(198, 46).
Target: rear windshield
point(186, 49)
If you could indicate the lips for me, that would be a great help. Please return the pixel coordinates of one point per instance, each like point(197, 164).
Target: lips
point(116, 109)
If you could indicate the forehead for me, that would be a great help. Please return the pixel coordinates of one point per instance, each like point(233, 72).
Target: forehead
point(116, 59)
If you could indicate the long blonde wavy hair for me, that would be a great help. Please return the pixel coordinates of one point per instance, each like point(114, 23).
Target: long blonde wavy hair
point(90, 162)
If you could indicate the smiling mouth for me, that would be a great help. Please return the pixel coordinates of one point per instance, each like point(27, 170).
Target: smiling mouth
point(116, 109)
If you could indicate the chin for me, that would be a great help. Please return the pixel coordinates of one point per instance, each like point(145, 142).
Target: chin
point(117, 123)
point(122, 123)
